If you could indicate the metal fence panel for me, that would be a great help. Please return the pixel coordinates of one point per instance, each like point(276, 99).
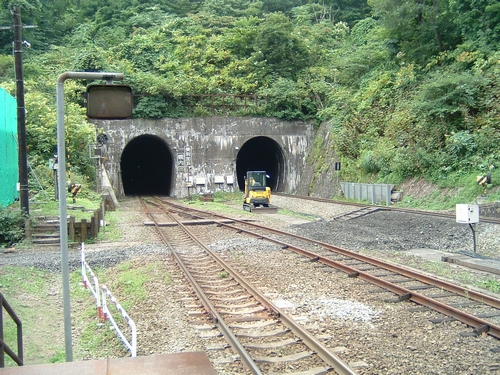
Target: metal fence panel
point(9, 174)
point(373, 193)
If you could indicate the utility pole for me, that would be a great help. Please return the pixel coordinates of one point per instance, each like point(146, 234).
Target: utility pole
point(21, 113)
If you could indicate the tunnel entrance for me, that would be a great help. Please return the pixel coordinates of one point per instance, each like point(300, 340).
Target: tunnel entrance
point(147, 166)
point(261, 154)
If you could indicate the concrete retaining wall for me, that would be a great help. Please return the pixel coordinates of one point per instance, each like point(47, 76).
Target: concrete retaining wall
point(213, 143)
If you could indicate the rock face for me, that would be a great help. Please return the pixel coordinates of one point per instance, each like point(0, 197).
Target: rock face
point(320, 177)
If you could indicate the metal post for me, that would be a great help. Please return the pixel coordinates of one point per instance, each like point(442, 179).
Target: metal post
point(2, 345)
point(61, 147)
point(475, 237)
point(473, 227)
point(21, 113)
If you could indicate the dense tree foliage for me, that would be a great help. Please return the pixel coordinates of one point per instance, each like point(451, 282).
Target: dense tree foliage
point(409, 87)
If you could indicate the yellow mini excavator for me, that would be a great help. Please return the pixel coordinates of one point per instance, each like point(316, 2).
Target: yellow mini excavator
point(257, 193)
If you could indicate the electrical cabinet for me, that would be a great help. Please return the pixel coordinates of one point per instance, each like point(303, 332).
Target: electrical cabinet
point(467, 213)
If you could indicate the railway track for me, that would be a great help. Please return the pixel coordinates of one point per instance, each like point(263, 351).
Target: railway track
point(366, 208)
point(479, 311)
point(265, 339)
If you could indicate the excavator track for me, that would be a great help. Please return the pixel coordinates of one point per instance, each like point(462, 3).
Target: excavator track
point(260, 209)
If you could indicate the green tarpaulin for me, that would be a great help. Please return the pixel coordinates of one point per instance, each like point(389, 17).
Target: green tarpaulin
point(9, 175)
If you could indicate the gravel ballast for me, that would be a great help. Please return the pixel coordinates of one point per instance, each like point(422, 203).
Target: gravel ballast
point(374, 336)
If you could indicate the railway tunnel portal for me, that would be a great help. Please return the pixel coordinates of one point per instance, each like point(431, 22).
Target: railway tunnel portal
point(139, 165)
point(261, 154)
point(178, 157)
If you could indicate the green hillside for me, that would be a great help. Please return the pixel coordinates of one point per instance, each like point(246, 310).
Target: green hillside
point(409, 88)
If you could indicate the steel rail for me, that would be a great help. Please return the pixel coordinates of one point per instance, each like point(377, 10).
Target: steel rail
point(314, 344)
point(480, 297)
point(228, 334)
point(197, 289)
point(403, 293)
point(385, 208)
point(469, 319)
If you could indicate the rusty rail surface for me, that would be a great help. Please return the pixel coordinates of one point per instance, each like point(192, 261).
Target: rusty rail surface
point(479, 324)
point(309, 340)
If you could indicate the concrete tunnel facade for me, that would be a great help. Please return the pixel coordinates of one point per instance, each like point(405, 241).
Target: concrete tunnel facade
point(147, 165)
point(178, 157)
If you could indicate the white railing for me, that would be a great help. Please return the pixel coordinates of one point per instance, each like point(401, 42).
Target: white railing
point(132, 344)
point(93, 288)
point(102, 308)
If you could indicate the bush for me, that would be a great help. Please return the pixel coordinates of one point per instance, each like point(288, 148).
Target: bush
point(151, 107)
point(368, 162)
point(11, 227)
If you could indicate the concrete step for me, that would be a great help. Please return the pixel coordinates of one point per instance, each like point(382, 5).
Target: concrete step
point(46, 227)
point(45, 235)
point(45, 231)
point(46, 240)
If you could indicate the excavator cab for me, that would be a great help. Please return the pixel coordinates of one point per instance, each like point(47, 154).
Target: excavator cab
point(257, 193)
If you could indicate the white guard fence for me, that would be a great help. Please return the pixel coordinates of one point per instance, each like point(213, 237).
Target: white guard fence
point(102, 306)
point(132, 344)
point(94, 288)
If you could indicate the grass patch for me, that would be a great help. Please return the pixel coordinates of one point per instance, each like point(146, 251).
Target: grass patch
point(96, 339)
point(15, 280)
point(83, 209)
point(32, 295)
point(299, 215)
point(456, 188)
point(490, 284)
point(223, 202)
point(36, 297)
point(128, 282)
point(223, 275)
point(73, 209)
point(111, 232)
point(228, 197)
point(59, 357)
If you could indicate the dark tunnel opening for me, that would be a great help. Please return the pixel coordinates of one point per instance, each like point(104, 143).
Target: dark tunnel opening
point(261, 154)
point(147, 166)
